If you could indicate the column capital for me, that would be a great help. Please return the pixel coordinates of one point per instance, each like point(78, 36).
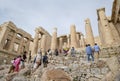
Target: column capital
point(54, 29)
point(87, 20)
point(98, 10)
point(37, 30)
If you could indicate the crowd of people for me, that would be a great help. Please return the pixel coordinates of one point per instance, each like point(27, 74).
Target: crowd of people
point(18, 63)
point(92, 52)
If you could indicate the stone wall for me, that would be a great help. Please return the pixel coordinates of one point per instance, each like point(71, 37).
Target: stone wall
point(6, 57)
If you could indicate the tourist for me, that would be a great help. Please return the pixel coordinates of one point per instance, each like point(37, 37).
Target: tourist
point(37, 60)
point(17, 63)
point(65, 50)
point(24, 56)
point(45, 60)
point(22, 64)
point(29, 57)
point(12, 67)
point(73, 52)
point(49, 52)
point(89, 52)
point(56, 52)
point(96, 51)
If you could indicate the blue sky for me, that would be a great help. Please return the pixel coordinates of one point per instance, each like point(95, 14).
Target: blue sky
point(29, 14)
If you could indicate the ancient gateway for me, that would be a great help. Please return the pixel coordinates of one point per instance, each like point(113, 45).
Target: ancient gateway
point(14, 41)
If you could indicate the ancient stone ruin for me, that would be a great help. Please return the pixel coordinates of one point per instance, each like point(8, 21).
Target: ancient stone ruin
point(14, 41)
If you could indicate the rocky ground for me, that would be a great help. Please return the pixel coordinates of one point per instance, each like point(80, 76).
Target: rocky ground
point(67, 68)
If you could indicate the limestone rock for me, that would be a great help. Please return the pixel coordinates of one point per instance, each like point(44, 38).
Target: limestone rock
point(55, 75)
point(20, 78)
point(113, 64)
point(117, 76)
point(25, 72)
point(10, 76)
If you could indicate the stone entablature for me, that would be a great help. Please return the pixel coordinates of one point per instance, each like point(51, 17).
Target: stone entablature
point(14, 39)
point(42, 40)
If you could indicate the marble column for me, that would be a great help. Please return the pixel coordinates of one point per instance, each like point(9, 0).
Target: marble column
point(35, 42)
point(82, 41)
point(60, 43)
point(68, 41)
point(20, 45)
point(43, 43)
point(54, 39)
point(89, 33)
point(11, 48)
point(3, 37)
point(73, 36)
point(65, 45)
point(28, 45)
point(78, 39)
point(101, 31)
point(107, 35)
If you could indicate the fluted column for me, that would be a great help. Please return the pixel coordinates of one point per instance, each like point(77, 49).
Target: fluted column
point(35, 42)
point(11, 48)
point(89, 33)
point(82, 41)
point(78, 39)
point(68, 41)
point(21, 45)
point(73, 36)
point(54, 39)
point(65, 45)
point(43, 43)
point(107, 35)
point(60, 43)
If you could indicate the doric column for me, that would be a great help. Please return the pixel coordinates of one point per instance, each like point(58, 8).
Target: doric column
point(28, 45)
point(82, 41)
point(35, 42)
point(107, 35)
point(89, 33)
point(20, 45)
point(11, 48)
point(60, 43)
point(54, 39)
point(73, 36)
point(3, 36)
point(101, 31)
point(68, 41)
point(65, 45)
point(43, 43)
point(78, 39)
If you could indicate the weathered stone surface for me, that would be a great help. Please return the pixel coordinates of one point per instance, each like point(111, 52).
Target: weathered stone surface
point(10, 76)
point(20, 78)
point(93, 79)
point(113, 64)
point(117, 76)
point(25, 72)
point(55, 75)
point(109, 77)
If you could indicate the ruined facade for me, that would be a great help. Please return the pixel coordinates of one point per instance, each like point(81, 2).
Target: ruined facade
point(107, 31)
point(115, 18)
point(42, 40)
point(74, 39)
point(14, 39)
